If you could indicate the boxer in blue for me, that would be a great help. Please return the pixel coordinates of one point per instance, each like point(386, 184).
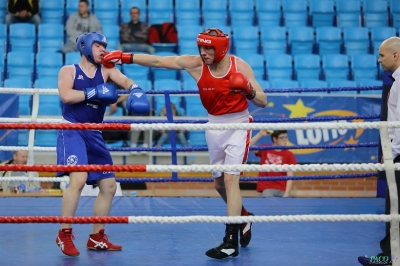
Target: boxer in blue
point(85, 94)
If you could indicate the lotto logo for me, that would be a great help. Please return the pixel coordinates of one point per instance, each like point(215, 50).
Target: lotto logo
point(105, 90)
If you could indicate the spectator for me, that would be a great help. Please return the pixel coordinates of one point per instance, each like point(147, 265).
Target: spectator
point(180, 134)
point(22, 11)
point(78, 23)
point(133, 35)
point(19, 157)
point(279, 188)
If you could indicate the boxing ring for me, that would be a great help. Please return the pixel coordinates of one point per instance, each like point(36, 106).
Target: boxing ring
point(286, 231)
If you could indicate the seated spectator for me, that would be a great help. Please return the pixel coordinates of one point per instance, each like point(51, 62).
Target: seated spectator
point(80, 22)
point(19, 157)
point(134, 34)
point(22, 11)
point(279, 188)
point(180, 134)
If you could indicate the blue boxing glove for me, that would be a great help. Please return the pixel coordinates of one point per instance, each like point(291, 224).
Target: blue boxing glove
point(105, 92)
point(137, 103)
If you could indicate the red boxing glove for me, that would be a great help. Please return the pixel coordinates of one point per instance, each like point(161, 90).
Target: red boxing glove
point(239, 82)
point(116, 57)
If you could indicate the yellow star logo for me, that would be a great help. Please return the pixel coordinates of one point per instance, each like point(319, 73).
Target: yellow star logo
point(270, 104)
point(351, 141)
point(298, 109)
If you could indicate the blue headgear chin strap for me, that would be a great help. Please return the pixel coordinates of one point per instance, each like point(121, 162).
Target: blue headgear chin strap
point(85, 41)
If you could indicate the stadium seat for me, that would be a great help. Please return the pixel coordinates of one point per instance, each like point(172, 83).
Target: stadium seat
point(342, 83)
point(348, 13)
point(52, 12)
point(160, 11)
point(329, 40)
point(167, 85)
point(3, 10)
point(22, 37)
point(370, 82)
point(395, 13)
point(112, 34)
point(375, 13)
point(187, 12)
point(22, 137)
point(3, 38)
point(189, 84)
point(25, 104)
point(245, 39)
point(46, 83)
point(378, 35)
point(294, 13)
point(322, 13)
point(335, 66)
point(50, 37)
point(187, 35)
point(126, 6)
point(159, 103)
point(107, 11)
point(307, 66)
point(72, 58)
point(241, 13)
point(215, 13)
point(301, 40)
point(364, 66)
point(164, 73)
point(284, 84)
point(72, 7)
point(313, 84)
point(197, 138)
point(49, 105)
point(145, 84)
point(20, 65)
point(279, 66)
point(194, 107)
point(134, 71)
point(48, 64)
point(46, 138)
point(264, 84)
point(2, 66)
point(356, 40)
point(268, 13)
point(256, 61)
point(273, 40)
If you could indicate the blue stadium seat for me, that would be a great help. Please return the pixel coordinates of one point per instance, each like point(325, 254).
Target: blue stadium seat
point(301, 40)
point(107, 11)
point(348, 13)
point(135, 71)
point(46, 83)
point(273, 40)
point(24, 100)
point(215, 13)
point(3, 10)
point(164, 73)
point(20, 65)
point(313, 84)
point(241, 13)
point(395, 13)
point(370, 82)
point(49, 105)
point(356, 40)
point(167, 85)
point(159, 103)
point(187, 34)
point(72, 58)
point(22, 37)
point(294, 13)
point(72, 7)
point(22, 137)
point(145, 84)
point(364, 66)
point(50, 37)
point(160, 11)
point(48, 64)
point(197, 138)
point(268, 13)
point(256, 61)
point(112, 34)
point(194, 107)
point(279, 66)
point(307, 66)
point(52, 12)
point(46, 138)
point(342, 83)
point(3, 38)
point(245, 39)
point(189, 84)
point(375, 13)
point(379, 34)
point(284, 84)
point(322, 12)
point(187, 12)
point(185, 75)
point(126, 6)
point(264, 84)
point(329, 40)
point(335, 66)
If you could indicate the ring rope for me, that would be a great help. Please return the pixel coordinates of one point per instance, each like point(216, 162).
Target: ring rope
point(195, 219)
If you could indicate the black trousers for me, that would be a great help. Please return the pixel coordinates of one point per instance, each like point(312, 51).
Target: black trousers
point(385, 242)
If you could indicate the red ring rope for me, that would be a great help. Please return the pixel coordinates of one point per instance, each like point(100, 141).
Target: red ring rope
point(80, 126)
point(73, 168)
point(68, 220)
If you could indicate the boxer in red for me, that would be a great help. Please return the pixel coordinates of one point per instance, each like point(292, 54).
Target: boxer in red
point(225, 84)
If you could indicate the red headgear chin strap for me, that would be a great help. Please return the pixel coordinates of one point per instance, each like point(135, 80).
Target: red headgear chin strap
point(220, 42)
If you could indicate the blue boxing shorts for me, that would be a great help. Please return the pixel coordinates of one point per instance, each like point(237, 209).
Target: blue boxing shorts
point(82, 147)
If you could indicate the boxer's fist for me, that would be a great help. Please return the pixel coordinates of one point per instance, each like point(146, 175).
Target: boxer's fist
point(116, 57)
point(239, 82)
point(137, 102)
point(103, 92)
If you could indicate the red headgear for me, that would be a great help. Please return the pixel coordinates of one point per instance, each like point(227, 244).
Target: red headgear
point(220, 42)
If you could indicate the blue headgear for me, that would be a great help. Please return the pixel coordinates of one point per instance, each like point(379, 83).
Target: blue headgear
point(85, 41)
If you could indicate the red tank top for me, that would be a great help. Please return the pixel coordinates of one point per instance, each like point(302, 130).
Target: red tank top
point(216, 95)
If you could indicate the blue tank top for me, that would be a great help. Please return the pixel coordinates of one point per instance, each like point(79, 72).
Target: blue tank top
point(86, 111)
